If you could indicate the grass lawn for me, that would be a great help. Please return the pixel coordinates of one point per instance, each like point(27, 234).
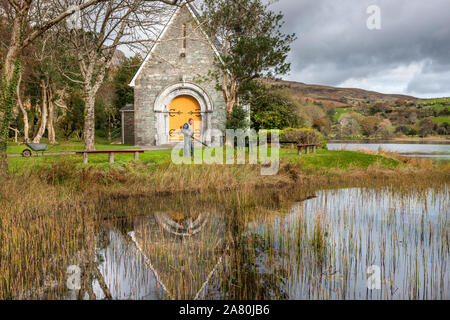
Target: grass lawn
point(341, 111)
point(439, 107)
point(323, 159)
point(340, 159)
point(20, 164)
point(437, 104)
point(441, 119)
point(66, 146)
point(435, 101)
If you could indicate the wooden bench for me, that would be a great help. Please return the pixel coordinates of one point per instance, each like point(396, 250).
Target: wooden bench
point(291, 143)
point(300, 147)
point(110, 152)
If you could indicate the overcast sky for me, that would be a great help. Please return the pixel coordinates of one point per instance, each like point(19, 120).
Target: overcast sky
point(410, 54)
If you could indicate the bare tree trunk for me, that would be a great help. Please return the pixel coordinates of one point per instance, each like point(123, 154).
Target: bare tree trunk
point(89, 122)
point(51, 111)
point(26, 125)
point(8, 79)
point(229, 85)
point(44, 113)
point(11, 65)
point(36, 125)
point(229, 93)
point(109, 128)
point(16, 133)
point(230, 103)
point(90, 91)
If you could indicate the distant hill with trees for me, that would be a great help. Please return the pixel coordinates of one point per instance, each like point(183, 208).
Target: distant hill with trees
point(345, 112)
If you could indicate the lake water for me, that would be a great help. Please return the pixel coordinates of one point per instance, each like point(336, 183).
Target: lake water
point(331, 246)
point(437, 150)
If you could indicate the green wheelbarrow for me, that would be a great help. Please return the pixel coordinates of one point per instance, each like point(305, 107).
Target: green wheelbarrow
point(36, 148)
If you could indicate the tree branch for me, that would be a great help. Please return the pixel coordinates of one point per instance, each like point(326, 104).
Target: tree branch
point(56, 20)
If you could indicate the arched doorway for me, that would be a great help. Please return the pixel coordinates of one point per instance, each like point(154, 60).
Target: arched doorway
point(165, 119)
point(181, 109)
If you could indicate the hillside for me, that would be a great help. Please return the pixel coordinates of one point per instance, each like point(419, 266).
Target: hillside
point(338, 97)
point(353, 112)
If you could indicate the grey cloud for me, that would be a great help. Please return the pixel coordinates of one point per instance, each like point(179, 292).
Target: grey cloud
point(334, 44)
point(432, 80)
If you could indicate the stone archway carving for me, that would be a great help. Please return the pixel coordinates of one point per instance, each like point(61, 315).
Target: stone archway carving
point(162, 103)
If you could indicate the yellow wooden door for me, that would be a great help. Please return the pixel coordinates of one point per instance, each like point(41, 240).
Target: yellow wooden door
point(182, 108)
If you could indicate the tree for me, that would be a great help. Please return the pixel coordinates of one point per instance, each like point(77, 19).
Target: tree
point(402, 129)
point(104, 105)
point(103, 28)
point(72, 121)
point(384, 129)
point(443, 128)
point(376, 108)
point(49, 79)
point(412, 131)
point(27, 20)
point(125, 73)
point(369, 125)
point(349, 124)
point(444, 112)
point(114, 94)
point(318, 118)
point(21, 15)
point(331, 111)
point(271, 107)
point(22, 109)
point(250, 42)
point(238, 119)
point(322, 124)
point(426, 127)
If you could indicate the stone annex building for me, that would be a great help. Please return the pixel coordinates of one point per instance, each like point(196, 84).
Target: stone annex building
point(167, 89)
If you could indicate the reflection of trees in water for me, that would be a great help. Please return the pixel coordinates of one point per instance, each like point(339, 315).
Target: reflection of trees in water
point(89, 261)
point(187, 251)
point(251, 269)
point(182, 249)
point(195, 252)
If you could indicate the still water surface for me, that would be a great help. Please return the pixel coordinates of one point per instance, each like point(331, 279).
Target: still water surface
point(437, 150)
point(319, 248)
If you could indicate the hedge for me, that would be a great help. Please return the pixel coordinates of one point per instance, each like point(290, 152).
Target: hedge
point(304, 136)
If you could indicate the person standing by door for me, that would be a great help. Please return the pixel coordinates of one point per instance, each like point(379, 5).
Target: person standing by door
point(188, 133)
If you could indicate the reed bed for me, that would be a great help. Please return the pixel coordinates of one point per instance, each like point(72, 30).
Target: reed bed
point(323, 247)
point(266, 238)
point(41, 233)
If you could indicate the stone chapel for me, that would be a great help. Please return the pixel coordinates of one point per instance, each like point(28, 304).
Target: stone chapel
point(167, 87)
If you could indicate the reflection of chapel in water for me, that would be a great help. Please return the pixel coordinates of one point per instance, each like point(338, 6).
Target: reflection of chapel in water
point(183, 250)
point(165, 87)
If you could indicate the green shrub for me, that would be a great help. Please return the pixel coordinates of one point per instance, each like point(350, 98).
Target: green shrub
point(269, 134)
point(238, 119)
point(304, 136)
